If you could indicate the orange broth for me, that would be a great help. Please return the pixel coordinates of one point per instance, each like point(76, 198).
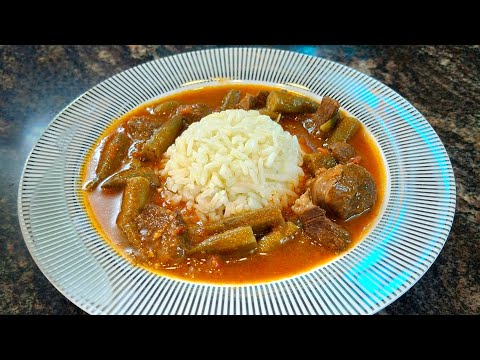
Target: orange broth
point(294, 257)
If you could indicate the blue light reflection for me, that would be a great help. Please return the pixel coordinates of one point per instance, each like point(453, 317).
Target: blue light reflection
point(363, 271)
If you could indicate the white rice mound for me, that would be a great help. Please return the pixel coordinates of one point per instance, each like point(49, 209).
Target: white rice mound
point(232, 161)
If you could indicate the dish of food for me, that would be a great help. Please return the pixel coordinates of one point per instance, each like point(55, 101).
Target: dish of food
point(235, 184)
point(232, 182)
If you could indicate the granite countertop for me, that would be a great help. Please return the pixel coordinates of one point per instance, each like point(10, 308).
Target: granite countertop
point(442, 82)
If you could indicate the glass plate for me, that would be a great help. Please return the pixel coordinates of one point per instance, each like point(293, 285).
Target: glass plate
point(417, 216)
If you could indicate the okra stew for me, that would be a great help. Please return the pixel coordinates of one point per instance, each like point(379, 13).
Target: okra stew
point(154, 214)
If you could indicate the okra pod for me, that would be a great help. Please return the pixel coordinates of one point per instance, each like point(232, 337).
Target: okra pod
point(135, 196)
point(118, 180)
point(240, 239)
point(162, 138)
point(344, 130)
point(112, 155)
point(277, 237)
point(285, 102)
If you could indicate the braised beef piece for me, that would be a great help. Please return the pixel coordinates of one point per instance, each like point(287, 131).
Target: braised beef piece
point(344, 190)
point(262, 99)
point(328, 108)
point(142, 127)
point(194, 112)
point(248, 102)
point(252, 102)
point(323, 231)
point(163, 233)
point(342, 152)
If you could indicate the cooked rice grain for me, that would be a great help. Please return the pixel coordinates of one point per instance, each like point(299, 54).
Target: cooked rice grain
point(232, 161)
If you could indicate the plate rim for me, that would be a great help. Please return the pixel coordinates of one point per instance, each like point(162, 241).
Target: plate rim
point(91, 310)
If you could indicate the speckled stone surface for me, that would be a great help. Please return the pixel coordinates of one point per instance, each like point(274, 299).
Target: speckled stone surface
point(442, 82)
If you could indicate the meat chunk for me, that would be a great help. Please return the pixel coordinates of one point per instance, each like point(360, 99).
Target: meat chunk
point(141, 127)
point(328, 108)
point(344, 190)
point(248, 102)
point(231, 100)
point(262, 98)
point(163, 234)
point(342, 152)
point(323, 231)
point(251, 102)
